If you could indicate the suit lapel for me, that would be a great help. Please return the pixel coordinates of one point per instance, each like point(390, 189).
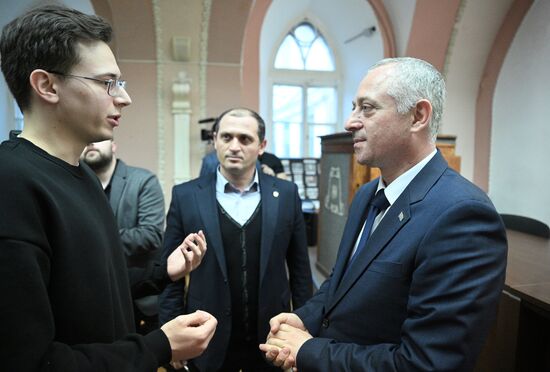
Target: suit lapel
point(207, 205)
point(270, 213)
point(355, 221)
point(396, 217)
point(118, 183)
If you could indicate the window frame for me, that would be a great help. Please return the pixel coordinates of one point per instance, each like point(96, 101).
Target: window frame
point(304, 79)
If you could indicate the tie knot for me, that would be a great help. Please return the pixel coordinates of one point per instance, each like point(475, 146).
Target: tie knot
point(380, 201)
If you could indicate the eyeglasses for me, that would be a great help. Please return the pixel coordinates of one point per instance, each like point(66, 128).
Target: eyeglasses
point(114, 86)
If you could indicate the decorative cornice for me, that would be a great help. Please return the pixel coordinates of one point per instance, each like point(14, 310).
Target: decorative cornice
point(205, 22)
point(452, 39)
point(181, 87)
point(161, 153)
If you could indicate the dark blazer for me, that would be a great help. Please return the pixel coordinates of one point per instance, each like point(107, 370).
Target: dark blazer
point(283, 242)
point(424, 291)
point(138, 204)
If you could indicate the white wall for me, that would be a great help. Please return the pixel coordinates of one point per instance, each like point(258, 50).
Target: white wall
point(401, 14)
point(474, 36)
point(8, 11)
point(519, 181)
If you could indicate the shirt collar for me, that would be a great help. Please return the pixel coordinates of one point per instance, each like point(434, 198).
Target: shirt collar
point(224, 186)
point(394, 190)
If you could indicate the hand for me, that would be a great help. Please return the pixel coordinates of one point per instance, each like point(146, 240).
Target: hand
point(187, 256)
point(189, 334)
point(267, 170)
point(285, 318)
point(288, 340)
point(280, 356)
point(177, 365)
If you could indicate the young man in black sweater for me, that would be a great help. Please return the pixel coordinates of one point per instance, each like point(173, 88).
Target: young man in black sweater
point(66, 299)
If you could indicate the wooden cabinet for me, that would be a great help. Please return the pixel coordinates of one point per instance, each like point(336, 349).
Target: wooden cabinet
point(341, 176)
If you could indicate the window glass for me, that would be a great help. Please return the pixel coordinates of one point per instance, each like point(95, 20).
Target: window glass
point(304, 48)
point(321, 105)
point(287, 120)
point(315, 131)
point(289, 55)
point(304, 105)
point(319, 58)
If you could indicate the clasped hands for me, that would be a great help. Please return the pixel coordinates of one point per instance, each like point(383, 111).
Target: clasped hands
point(286, 336)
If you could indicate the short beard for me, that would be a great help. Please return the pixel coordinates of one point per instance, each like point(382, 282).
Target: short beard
point(100, 163)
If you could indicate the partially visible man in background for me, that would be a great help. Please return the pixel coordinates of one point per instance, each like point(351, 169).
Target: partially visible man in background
point(138, 204)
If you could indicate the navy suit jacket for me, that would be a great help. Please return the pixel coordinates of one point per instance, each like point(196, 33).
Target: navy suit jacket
point(423, 293)
point(283, 242)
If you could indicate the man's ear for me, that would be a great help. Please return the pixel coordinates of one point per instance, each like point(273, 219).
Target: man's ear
point(44, 85)
point(214, 140)
point(422, 114)
point(263, 144)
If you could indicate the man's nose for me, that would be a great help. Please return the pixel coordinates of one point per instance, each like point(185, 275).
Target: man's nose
point(123, 99)
point(352, 124)
point(234, 145)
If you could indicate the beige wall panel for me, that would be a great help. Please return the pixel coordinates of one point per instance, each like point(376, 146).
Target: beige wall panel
point(223, 88)
point(431, 30)
point(137, 134)
point(226, 30)
point(181, 18)
point(134, 29)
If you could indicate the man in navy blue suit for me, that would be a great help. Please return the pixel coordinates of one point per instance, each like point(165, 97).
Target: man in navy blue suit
point(421, 292)
point(254, 229)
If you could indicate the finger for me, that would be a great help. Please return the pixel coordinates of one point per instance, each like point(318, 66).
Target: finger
point(195, 319)
point(190, 239)
point(285, 327)
point(205, 316)
point(200, 238)
point(201, 241)
point(192, 251)
point(183, 247)
point(276, 341)
point(270, 351)
point(189, 252)
point(281, 358)
point(199, 247)
point(274, 324)
point(192, 245)
point(289, 363)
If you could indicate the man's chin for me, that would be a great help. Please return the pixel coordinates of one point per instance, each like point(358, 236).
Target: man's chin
point(233, 169)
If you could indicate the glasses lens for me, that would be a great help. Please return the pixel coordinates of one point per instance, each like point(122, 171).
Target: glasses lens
point(115, 87)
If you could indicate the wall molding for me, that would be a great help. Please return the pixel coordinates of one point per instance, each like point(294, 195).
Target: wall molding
point(161, 153)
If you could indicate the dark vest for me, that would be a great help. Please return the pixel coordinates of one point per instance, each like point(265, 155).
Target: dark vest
point(241, 246)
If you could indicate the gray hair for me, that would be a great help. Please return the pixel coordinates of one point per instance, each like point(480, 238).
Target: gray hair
point(411, 80)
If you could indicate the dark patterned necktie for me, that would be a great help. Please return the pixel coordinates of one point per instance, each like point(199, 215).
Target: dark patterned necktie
point(378, 204)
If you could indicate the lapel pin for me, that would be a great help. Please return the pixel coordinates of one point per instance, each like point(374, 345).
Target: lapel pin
point(276, 194)
point(401, 216)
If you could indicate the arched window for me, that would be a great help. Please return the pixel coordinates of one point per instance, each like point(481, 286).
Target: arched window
point(304, 92)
